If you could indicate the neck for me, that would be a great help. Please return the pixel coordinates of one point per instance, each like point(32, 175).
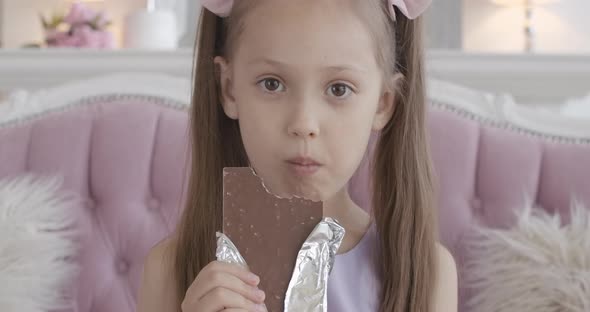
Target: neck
point(339, 206)
point(352, 217)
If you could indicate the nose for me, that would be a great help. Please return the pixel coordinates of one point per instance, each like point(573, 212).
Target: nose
point(303, 124)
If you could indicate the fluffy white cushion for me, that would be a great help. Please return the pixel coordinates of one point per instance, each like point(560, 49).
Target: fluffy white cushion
point(37, 242)
point(539, 265)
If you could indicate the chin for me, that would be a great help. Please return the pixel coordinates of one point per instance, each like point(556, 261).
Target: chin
point(297, 190)
point(289, 186)
point(314, 193)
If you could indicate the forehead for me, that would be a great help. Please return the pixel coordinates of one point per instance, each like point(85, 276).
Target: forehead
point(307, 33)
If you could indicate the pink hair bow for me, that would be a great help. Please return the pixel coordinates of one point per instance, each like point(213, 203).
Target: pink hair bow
point(410, 8)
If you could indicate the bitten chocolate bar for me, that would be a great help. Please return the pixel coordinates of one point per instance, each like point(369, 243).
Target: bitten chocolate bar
point(267, 230)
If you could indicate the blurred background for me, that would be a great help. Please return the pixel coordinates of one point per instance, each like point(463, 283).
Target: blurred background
point(96, 93)
point(473, 42)
point(494, 26)
point(498, 26)
point(24, 16)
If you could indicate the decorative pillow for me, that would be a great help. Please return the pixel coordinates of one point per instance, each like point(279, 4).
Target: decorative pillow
point(37, 243)
point(539, 265)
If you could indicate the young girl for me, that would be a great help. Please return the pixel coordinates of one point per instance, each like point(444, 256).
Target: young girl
point(294, 89)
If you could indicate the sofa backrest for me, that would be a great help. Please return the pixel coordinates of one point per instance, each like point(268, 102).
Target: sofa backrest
point(127, 156)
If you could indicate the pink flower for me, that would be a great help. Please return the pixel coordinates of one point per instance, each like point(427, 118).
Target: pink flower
point(86, 30)
point(79, 14)
point(89, 38)
point(108, 41)
point(86, 36)
point(66, 41)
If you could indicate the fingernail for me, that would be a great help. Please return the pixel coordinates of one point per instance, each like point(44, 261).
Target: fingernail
point(254, 278)
point(259, 294)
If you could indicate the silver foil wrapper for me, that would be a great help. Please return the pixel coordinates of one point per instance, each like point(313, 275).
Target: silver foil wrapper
point(227, 251)
point(308, 288)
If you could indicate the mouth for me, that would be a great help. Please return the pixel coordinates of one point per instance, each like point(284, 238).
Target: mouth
point(304, 166)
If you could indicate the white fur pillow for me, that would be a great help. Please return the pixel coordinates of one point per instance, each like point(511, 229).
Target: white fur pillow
point(539, 265)
point(37, 242)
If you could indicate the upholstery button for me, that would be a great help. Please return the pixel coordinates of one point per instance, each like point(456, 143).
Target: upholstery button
point(476, 204)
point(122, 266)
point(90, 203)
point(153, 204)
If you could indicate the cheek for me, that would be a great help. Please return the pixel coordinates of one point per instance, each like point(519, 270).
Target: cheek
point(349, 152)
point(260, 134)
point(263, 147)
point(258, 123)
point(350, 138)
point(256, 129)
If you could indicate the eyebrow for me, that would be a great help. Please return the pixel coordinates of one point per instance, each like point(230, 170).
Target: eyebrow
point(334, 68)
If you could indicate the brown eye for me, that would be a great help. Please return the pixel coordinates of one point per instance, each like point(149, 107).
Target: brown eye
point(272, 84)
point(339, 89)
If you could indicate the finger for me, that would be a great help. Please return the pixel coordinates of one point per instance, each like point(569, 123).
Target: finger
point(213, 274)
point(231, 282)
point(234, 269)
point(237, 310)
point(220, 298)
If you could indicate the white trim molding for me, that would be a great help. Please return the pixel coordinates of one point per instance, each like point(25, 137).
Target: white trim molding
point(496, 110)
point(36, 69)
point(500, 110)
point(529, 78)
point(149, 84)
point(22, 104)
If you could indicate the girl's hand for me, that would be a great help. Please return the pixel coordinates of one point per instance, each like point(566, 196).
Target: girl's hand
point(224, 287)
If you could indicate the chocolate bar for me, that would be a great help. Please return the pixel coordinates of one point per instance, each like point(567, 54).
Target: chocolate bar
point(267, 230)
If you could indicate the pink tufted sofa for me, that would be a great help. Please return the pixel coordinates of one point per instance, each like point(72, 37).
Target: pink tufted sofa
point(125, 153)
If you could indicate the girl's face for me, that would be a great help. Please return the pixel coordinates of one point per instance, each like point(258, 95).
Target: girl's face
point(307, 91)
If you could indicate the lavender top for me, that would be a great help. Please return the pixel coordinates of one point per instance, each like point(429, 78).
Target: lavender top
point(353, 284)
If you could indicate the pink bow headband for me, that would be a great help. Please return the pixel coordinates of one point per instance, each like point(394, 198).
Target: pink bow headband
point(410, 8)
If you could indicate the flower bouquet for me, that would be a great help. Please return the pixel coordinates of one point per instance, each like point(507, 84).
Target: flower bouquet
point(81, 27)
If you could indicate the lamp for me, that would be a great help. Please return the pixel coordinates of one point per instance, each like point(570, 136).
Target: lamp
point(529, 6)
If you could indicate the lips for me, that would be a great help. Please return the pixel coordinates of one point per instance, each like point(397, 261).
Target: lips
point(304, 166)
point(304, 161)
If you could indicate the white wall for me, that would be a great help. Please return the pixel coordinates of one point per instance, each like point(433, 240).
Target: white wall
point(444, 25)
point(1, 22)
point(194, 10)
point(562, 27)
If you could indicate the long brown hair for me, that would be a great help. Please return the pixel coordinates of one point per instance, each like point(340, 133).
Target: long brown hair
point(401, 170)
